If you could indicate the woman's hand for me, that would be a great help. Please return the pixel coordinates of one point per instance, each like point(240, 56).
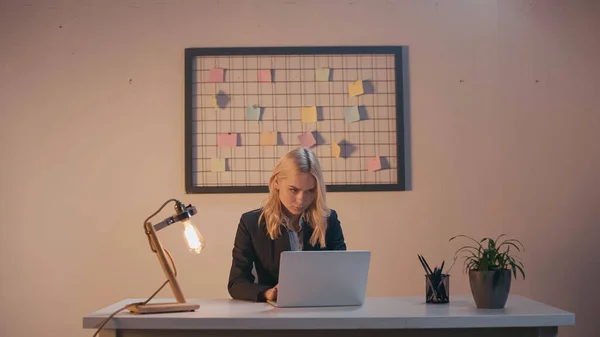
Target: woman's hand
point(271, 294)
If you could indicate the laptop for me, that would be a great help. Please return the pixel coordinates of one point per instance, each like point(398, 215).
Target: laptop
point(322, 278)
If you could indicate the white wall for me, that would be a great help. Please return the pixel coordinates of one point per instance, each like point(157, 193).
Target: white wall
point(504, 121)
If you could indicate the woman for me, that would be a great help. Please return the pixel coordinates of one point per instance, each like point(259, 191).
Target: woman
point(295, 216)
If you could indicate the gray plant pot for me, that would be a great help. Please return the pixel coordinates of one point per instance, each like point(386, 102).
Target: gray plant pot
point(490, 289)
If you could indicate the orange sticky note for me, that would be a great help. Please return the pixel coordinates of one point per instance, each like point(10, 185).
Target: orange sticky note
point(309, 114)
point(356, 88)
point(307, 139)
point(216, 75)
point(264, 75)
point(268, 138)
point(227, 140)
point(336, 150)
point(374, 164)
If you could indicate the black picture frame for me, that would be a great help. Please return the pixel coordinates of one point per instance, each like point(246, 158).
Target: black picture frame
point(192, 53)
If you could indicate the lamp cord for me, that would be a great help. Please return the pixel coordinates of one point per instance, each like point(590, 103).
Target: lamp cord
point(139, 303)
point(158, 211)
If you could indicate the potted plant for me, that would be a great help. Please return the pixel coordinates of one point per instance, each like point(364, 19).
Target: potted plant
point(491, 265)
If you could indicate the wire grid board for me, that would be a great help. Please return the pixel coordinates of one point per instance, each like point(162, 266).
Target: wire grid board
point(247, 107)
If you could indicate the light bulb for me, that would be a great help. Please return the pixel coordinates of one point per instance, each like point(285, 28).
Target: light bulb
point(194, 239)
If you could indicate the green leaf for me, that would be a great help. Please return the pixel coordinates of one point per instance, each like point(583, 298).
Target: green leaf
point(466, 248)
point(517, 241)
point(464, 236)
point(521, 270)
point(483, 264)
point(509, 243)
point(491, 244)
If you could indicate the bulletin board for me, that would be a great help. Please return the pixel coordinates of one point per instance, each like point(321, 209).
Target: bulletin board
point(247, 107)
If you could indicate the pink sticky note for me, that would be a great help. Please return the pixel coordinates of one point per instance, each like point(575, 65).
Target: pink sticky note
point(264, 75)
point(374, 164)
point(227, 139)
point(216, 75)
point(307, 139)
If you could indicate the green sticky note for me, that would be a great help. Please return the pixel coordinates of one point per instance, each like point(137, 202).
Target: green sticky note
point(351, 114)
point(322, 74)
point(252, 113)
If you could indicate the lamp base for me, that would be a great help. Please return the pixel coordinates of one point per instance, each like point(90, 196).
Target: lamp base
point(156, 308)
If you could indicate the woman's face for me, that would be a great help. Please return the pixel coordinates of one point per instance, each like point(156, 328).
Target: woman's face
point(296, 192)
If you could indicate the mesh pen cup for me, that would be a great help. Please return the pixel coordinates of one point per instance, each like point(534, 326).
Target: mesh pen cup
point(437, 288)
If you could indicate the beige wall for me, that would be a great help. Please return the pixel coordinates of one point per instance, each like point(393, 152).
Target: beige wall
point(504, 123)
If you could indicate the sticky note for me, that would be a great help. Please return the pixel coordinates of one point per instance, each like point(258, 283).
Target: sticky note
point(307, 139)
point(227, 140)
point(374, 164)
point(216, 75)
point(215, 104)
point(252, 113)
point(217, 165)
point(356, 88)
point(351, 114)
point(268, 138)
point(264, 75)
point(322, 74)
point(309, 114)
point(336, 150)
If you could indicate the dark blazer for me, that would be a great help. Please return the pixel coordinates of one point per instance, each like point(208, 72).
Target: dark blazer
point(254, 246)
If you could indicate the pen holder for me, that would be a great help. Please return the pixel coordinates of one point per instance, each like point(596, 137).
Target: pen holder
point(437, 288)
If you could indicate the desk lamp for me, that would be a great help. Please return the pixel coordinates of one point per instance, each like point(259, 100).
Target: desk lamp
point(195, 242)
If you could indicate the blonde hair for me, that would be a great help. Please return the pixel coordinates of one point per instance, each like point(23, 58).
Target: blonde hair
point(300, 160)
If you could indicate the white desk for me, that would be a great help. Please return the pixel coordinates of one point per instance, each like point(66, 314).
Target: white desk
point(379, 316)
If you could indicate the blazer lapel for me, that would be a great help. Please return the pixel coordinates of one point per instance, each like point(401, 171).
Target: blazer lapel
point(281, 244)
point(272, 251)
point(308, 231)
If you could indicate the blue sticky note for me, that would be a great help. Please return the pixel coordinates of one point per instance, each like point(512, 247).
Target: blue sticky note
point(252, 113)
point(351, 114)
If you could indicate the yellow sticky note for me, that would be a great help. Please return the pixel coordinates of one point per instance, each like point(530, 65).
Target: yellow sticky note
point(218, 165)
point(309, 114)
point(268, 138)
point(356, 88)
point(336, 150)
point(322, 74)
point(214, 102)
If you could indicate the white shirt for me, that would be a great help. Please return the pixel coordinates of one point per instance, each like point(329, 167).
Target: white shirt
point(296, 237)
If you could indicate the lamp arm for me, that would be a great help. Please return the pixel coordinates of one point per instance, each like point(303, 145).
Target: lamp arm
point(183, 213)
point(168, 269)
point(146, 223)
point(160, 209)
